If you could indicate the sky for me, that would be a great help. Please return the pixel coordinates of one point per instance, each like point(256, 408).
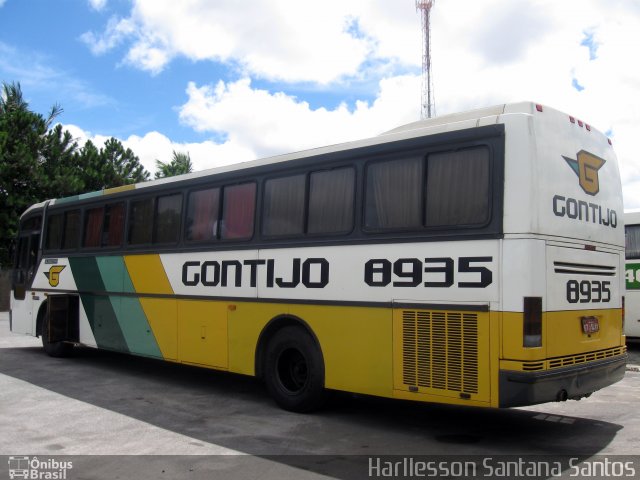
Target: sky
point(229, 81)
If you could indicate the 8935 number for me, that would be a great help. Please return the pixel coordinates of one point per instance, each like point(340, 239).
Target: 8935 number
point(587, 291)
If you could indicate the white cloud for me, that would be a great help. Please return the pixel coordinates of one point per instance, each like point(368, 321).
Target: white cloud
point(98, 5)
point(483, 53)
point(274, 123)
point(116, 32)
point(283, 40)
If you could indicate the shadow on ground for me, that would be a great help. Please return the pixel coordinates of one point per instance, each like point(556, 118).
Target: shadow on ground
point(235, 412)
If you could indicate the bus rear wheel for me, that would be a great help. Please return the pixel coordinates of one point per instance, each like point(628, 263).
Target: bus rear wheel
point(54, 349)
point(294, 370)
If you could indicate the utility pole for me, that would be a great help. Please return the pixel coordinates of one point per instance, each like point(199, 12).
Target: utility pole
point(428, 109)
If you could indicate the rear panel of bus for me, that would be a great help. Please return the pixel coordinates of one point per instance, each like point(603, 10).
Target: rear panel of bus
point(563, 253)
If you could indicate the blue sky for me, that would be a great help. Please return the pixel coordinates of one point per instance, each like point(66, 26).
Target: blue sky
point(227, 83)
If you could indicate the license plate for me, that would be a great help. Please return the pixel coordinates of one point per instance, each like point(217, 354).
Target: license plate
point(590, 325)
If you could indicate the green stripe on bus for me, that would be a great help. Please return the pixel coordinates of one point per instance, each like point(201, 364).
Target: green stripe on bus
point(90, 195)
point(129, 313)
point(73, 198)
point(102, 318)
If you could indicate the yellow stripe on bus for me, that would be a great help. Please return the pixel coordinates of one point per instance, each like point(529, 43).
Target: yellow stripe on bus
point(148, 276)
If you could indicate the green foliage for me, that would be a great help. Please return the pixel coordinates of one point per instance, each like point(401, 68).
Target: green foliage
point(38, 162)
point(179, 165)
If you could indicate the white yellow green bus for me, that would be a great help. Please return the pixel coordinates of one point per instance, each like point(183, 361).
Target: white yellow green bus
point(632, 275)
point(471, 259)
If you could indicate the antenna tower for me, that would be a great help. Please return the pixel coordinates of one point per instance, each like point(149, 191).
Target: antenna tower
point(428, 98)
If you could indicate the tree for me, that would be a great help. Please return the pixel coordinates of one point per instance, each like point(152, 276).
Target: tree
point(22, 135)
point(179, 164)
point(38, 162)
point(61, 168)
point(112, 166)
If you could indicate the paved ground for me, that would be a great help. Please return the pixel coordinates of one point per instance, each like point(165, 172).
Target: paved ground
point(100, 403)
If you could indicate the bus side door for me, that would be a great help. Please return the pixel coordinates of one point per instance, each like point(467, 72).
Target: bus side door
point(25, 267)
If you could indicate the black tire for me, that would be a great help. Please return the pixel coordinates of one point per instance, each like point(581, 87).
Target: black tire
point(54, 349)
point(294, 370)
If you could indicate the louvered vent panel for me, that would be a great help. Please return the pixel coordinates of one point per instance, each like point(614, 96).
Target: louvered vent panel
point(440, 350)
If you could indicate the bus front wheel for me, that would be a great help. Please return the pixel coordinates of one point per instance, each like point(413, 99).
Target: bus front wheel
point(294, 370)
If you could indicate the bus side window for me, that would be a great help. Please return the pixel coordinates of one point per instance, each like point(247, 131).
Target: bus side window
point(238, 214)
point(203, 210)
point(458, 188)
point(331, 196)
point(168, 216)
point(71, 237)
point(93, 227)
point(55, 226)
point(283, 209)
point(394, 194)
point(113, 228)
point(141, 221)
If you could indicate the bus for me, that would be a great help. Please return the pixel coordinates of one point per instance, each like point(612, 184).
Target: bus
point(632, 274)
point(470, 259)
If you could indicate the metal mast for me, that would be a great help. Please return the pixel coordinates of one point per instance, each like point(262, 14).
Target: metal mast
point(428, 98)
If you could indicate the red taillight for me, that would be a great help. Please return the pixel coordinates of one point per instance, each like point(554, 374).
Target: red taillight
point(538, 107)
point(532, 322)
point(580, 123)
point(571, 119)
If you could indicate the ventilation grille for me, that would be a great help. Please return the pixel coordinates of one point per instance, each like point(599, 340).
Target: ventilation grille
point(569, 360)
point(585, 357)
point(440, 350)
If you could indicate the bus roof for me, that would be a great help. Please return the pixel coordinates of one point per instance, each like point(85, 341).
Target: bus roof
point(444, 123)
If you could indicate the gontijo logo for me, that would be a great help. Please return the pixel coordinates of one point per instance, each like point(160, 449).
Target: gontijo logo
point(53, 275)
point(586, 166)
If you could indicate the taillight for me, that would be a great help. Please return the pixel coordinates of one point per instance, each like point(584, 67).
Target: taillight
point(532, 318)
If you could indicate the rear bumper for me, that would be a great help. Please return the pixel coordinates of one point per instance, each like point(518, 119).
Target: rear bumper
point(528, 388)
